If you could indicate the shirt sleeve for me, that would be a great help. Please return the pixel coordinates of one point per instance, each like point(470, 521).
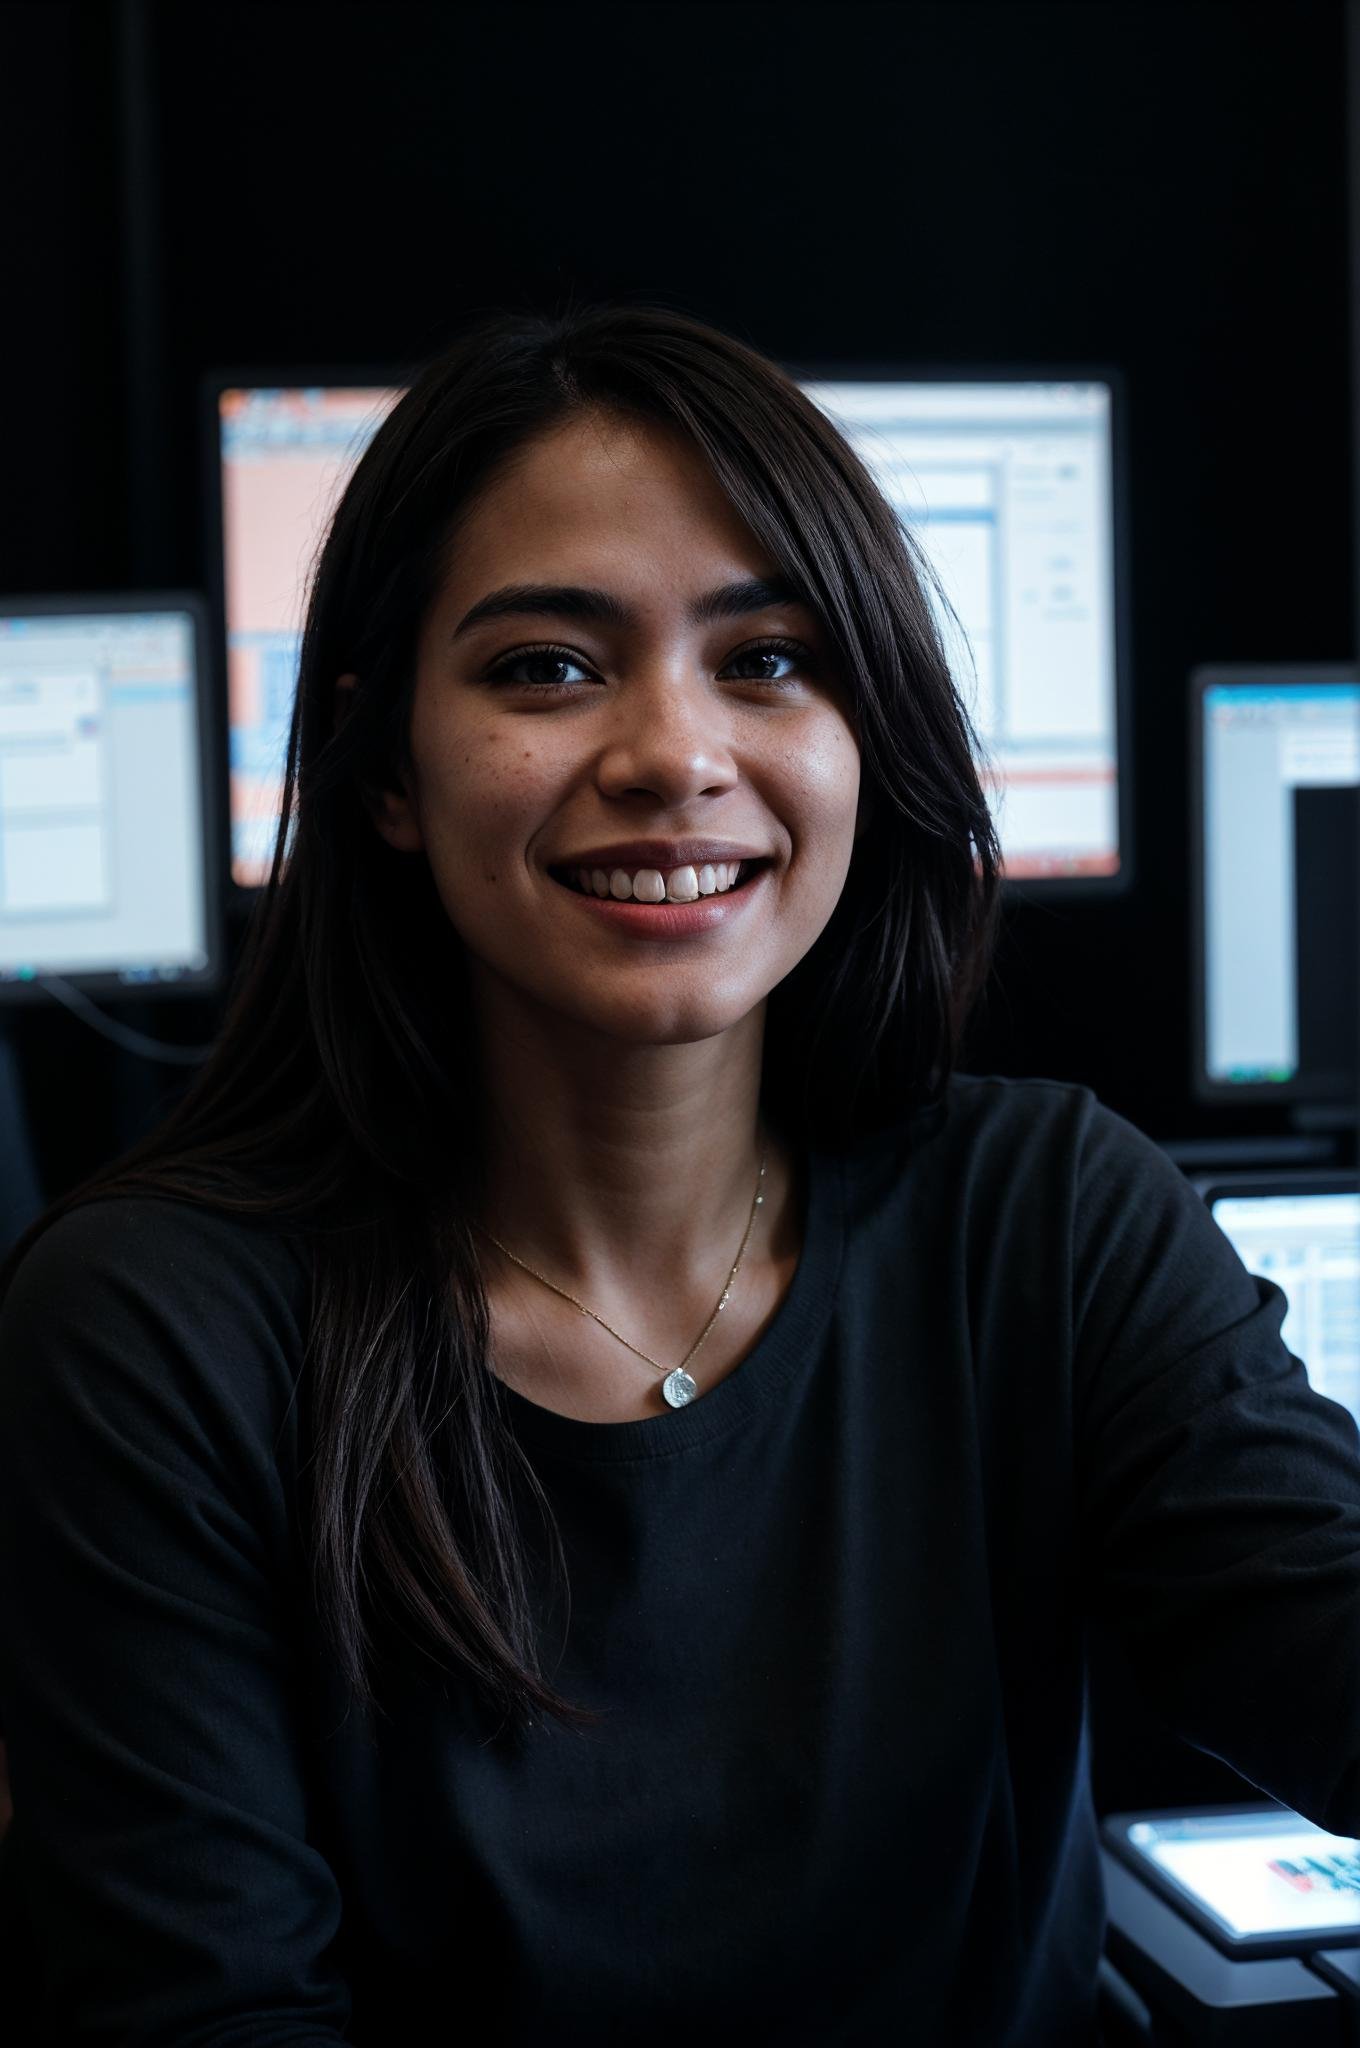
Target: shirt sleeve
point(1219, 1493)
point(148, 1666)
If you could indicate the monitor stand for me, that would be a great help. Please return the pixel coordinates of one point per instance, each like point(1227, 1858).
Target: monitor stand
point(1321, 1135)
point(1324, 1117)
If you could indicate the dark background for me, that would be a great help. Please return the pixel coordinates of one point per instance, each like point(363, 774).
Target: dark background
point(1160, 187)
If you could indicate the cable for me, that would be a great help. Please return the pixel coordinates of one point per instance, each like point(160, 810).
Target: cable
point(121, 1034)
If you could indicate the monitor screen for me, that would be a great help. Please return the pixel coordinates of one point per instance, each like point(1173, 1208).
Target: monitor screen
point(1276, 793)
point(1308, 1242)
point(1007, 486)
point(108, 854)
point(285, 455)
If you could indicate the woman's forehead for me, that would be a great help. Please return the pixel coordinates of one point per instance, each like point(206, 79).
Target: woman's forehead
point(630, 516)
point(606, 473)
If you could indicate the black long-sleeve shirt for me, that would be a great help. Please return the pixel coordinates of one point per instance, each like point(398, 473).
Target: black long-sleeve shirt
point(832, 1612)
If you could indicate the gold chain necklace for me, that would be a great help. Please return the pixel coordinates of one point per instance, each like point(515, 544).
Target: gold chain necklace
point(677, 1386)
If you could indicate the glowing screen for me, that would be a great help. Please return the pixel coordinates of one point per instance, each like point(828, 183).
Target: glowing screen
point(102, 868)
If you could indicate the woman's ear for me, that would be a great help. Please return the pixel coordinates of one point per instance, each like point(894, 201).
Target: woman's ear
point(393, 811)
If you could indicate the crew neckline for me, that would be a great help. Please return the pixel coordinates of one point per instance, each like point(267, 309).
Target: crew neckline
point(786, 1348)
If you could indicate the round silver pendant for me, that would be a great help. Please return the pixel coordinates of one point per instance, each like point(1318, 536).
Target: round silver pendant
point(678, 1388)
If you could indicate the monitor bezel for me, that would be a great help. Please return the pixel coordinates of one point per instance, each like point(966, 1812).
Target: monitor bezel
point(1045, 889)
point(1204, 1089)
point(106, 984)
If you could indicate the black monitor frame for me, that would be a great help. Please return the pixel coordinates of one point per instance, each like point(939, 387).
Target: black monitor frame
point(1203, 1088)
point(110, 985)
point(1045, 889)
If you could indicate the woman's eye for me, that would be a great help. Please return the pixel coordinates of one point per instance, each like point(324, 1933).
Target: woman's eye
point(774, 651)
point(514, 668)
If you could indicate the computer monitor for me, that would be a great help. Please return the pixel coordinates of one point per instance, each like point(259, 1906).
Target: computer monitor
point(1012, 485)
point(1275, 845)
point(1301, 1229)
point(280, 453)
point(1009, 484)
point(110, 856)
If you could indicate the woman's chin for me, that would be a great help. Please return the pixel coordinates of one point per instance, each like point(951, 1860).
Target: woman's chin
point(642, 1023)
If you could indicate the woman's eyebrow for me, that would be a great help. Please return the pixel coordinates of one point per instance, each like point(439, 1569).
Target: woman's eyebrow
point(573, 601)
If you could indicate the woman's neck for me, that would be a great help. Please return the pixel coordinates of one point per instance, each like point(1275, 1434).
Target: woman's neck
point(611, 1167)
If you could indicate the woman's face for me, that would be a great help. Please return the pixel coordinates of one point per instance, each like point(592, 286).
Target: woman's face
point(616, 705)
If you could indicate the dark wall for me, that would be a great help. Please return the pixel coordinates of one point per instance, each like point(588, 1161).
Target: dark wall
point(1161, 187)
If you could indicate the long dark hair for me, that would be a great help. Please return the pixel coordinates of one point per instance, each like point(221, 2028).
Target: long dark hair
point(337, 1101)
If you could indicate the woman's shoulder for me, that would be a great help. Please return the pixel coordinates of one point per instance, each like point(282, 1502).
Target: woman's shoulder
point(139, 1286)
point(1000, 1099)
point(1060, 1132)
point(975, 1115)
point(1020, 1149)
point(171, 1240)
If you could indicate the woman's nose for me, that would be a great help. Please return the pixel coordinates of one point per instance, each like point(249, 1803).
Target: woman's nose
point(670, 736)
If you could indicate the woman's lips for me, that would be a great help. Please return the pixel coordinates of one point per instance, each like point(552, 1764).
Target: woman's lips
point(669, 920)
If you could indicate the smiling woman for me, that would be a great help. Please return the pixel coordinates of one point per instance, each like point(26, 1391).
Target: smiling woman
point(567, 1472)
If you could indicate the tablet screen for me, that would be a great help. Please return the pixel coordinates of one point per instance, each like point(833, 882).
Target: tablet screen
point(1255, 1873)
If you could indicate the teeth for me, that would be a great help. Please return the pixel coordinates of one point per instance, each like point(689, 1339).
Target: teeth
point(651, 885)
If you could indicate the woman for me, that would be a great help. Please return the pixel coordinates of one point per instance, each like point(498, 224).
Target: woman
point(564, 1482)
